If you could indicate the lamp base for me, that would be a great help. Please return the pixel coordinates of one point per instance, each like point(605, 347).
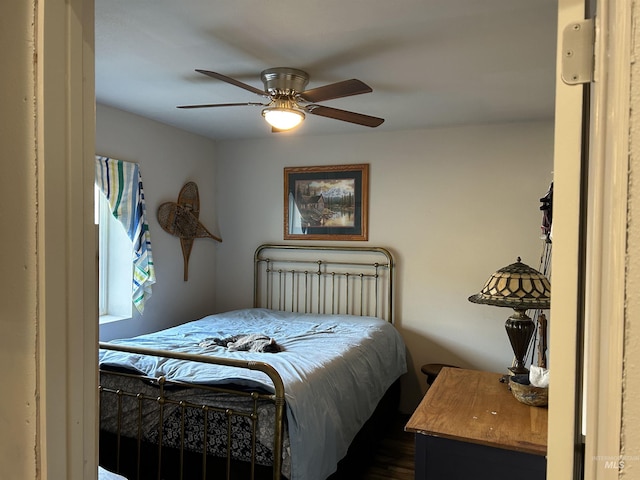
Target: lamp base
point(518, 370)
point(520, 330)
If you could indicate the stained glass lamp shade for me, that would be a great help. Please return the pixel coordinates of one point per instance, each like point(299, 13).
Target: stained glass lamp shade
point(522, 288)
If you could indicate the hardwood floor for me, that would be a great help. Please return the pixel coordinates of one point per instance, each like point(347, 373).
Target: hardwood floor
point(391, 458)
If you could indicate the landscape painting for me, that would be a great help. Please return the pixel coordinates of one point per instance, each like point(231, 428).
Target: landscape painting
point(326, 203)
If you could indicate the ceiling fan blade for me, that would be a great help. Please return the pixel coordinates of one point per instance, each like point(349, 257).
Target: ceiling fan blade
point(345, 88)
point(344, 115)
point(210, 105)
point(233, 81)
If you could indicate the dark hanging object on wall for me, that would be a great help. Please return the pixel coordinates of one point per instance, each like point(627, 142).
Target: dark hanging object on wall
point(181, 219)
point(547, 213)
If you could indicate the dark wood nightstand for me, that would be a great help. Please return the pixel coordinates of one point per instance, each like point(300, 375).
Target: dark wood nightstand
point(469, 425)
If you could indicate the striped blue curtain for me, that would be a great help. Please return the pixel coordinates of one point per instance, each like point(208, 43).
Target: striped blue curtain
point(121, 183)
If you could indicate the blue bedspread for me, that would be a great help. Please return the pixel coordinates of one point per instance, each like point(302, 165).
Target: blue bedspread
point(335, 370)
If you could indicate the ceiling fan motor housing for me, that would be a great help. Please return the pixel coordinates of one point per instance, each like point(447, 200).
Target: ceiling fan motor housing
point(284, 80)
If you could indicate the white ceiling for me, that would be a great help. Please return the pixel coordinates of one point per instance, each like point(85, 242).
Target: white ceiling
point(430, 62)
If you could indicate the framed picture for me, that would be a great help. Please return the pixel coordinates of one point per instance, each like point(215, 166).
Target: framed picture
point(326, 203)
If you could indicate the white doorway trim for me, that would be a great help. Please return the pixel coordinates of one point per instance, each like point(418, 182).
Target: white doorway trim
point(567, 268)
point(605, 286)
point(67, 315)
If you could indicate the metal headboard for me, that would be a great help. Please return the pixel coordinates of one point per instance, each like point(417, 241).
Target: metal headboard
point(324, 279)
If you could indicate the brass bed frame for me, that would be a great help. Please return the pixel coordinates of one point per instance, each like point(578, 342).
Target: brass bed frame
point(299, 278)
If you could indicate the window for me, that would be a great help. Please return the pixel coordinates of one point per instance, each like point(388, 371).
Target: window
point(115, 252)
point(121, 184)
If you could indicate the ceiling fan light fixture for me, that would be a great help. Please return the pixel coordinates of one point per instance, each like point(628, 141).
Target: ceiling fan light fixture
point(282, 118)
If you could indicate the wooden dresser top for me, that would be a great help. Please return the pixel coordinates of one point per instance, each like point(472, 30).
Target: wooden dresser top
point(474, 406)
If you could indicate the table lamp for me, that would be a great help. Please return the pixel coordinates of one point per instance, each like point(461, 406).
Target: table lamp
point(522, 288)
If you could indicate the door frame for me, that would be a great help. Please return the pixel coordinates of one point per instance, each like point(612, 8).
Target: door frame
point(607, 240)
point(67, 326)
point(567, 263)
point(587, 317)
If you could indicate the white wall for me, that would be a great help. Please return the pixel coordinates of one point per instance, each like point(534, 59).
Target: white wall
point(168, 158)
point(453, 205)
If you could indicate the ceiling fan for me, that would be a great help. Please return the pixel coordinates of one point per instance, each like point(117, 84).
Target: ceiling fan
point(289, 101)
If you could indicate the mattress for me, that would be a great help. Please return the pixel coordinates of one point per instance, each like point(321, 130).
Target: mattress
point(335, 369)
point(107, 475)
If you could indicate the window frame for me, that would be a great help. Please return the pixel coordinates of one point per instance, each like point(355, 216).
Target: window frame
point(114, 266)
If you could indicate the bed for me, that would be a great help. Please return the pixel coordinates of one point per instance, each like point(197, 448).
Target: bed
point(107, 475)
point(279, 390)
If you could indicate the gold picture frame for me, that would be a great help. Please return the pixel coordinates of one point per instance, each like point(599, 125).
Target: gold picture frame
point(326, 202)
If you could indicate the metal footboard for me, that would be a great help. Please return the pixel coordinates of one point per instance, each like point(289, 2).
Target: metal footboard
point(165, 400)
